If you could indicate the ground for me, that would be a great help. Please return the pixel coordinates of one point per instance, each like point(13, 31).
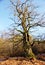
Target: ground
point(21, 61)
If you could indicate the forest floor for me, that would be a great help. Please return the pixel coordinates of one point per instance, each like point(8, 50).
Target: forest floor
point(21, 61)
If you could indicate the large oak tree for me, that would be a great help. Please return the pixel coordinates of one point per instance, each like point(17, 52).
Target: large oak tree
point(25, 17)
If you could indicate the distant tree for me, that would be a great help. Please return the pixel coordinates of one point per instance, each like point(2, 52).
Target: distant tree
point(15, 39)
point(25, 18)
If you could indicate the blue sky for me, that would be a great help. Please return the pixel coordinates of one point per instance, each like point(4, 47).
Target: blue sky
point(5, 14)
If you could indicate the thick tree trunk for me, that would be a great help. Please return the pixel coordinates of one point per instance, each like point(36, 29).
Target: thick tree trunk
point(27, 46)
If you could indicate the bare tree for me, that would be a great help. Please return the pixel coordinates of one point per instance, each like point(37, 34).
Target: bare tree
point(25, 17)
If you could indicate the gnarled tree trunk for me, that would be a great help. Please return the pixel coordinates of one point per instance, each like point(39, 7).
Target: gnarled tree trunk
point(27, 46)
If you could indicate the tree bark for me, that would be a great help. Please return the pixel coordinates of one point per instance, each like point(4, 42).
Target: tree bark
point(27, 46)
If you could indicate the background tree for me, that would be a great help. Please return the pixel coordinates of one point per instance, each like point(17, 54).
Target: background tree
point(25, 17)
point(15, 39)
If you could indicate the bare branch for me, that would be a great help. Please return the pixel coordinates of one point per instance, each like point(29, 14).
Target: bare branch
point(19, 31)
